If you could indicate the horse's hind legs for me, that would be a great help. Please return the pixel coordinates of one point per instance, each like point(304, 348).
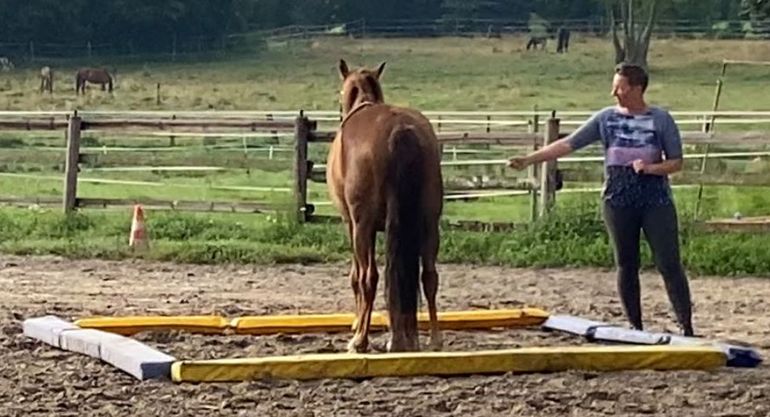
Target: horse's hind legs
point(366, 278)
point(430, 281)
point(354, 278)
point(356, 293)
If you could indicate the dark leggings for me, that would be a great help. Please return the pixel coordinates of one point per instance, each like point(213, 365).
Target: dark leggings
point(661, 230)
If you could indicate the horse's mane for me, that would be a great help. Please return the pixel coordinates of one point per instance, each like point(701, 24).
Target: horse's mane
point(374, 88)
point(366, 85)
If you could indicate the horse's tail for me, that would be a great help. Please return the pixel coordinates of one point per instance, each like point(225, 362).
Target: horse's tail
point(403, 230)
point(109, 81)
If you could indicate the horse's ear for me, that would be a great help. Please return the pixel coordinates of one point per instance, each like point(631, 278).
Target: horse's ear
point(380, 70)
point(343, 67)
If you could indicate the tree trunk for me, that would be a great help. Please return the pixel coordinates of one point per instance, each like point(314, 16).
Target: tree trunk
point(635, 43)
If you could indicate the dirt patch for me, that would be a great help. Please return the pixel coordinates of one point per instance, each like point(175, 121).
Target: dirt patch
point(38, 380)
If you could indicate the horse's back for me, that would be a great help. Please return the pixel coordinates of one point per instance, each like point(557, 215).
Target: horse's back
point(98, 75)
point(372, 127)
point(364, 150)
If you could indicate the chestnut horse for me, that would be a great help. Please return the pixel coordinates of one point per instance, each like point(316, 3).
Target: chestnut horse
point(384, 174)
point(93, 76)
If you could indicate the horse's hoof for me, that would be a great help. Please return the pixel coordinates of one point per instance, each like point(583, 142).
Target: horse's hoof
point(379, 348)
point(436, 346)
point(355, 346)
point(436, 342)
point(403, 346)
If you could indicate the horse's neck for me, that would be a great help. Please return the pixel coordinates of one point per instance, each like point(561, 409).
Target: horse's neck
point(354, 110)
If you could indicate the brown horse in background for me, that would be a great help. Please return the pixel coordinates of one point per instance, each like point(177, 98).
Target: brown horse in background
point(93, 76)
point(384, 174)
point(46, 80)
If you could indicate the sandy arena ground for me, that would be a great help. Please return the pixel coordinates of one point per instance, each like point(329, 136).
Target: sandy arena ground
point(39, 380)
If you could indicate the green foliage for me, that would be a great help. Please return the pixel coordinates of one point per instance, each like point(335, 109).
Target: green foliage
point(573, 236)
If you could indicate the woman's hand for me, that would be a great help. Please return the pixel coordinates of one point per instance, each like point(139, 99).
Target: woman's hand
point(639, 166)
point(518, 162)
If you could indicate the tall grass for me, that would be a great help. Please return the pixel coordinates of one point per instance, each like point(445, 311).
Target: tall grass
point(567, 238)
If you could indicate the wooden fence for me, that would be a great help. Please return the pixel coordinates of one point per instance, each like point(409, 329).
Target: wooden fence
point(542, 182)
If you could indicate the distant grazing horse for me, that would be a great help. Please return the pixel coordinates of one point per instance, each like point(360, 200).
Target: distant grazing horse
point(534, 41)
point(384, 174)
point(5, 64)
point(93, 76)
point(46, 80)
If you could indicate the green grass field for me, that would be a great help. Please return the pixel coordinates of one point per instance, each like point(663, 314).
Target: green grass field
point(430, 74)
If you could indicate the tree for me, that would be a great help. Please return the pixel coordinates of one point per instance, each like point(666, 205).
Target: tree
point(636, 38)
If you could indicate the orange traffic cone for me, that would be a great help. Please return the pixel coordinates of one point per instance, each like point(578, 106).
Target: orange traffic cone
point(138, 237)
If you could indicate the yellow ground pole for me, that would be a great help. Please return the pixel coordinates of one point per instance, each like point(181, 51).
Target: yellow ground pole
point(523, 360)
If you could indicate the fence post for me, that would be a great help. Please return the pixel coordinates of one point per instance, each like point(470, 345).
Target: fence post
point(532, 172)
point(548, 170)
point(172, 138)
point(301, 132)
point(71, 164)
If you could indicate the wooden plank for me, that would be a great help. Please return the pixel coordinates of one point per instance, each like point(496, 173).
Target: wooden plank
point(726, 138)
point(322, 137)
point(288, 115)
point(749, 224)
point(526, 139)
point(509, 138)
point(478, 195)
point(203, 206)
point(745, 62)
point(173, 124)
point(37, 124)
point(156, 168)
point(27, 201)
